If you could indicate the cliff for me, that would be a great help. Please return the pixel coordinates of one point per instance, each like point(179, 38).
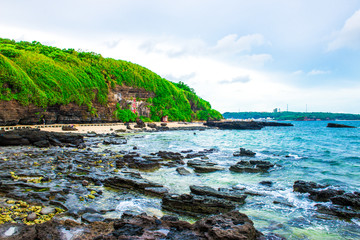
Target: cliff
point(41, 83)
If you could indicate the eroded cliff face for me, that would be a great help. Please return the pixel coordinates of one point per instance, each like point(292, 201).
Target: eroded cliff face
point(12, 112)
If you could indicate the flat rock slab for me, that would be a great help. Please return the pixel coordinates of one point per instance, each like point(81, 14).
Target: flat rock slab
point(208, 191)
point(252, 166)
point(190, 204)
point(336, 125)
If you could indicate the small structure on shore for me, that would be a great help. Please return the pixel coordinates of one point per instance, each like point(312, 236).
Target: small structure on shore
point(164, 118)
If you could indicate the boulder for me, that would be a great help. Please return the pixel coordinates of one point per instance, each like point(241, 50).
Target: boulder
point(231, 225)
point(202, 166)
point(114, 141)
point(238, 125)
point(244, 153)
point(306, 187)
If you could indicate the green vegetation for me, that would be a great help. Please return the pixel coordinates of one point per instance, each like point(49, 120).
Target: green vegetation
point(300, 116)
point(32, 73)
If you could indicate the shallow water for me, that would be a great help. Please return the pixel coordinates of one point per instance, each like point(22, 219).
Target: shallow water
point(308, 151)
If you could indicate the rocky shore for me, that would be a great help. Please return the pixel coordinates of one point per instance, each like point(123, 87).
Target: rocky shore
point(66, 188)
point(61, 187)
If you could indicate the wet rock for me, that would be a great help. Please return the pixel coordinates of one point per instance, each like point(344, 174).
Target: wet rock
point(127, 229)
point(92, 217)
point(151, 125)
point(306, 187)
point(266, 183)
point(182, 171)
point(139, 123)
point(163, 124)
point(239, 125)
point(348, 199)
point(252, 166)
point(169, 218)
point(339, 211)
point(170, 155)
point(325, 194)
point(47, 210)
point(42, 144)
point(143, 164)
point(225, 193)
point(202, 166)
point(244, 153)
point(232, 225)
point(156, 191)
point(32, 136)
point(91, 134)
point(130, 181)
point(191, 204)
point(85, 183)
point(336, 125)
point(114, 141)
point(31, 217)
point(195, 155)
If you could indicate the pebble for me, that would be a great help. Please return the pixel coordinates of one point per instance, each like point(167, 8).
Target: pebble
point(85, 183)
point(31, 217)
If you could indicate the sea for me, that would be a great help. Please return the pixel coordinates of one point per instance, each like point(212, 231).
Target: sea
point(307, 151)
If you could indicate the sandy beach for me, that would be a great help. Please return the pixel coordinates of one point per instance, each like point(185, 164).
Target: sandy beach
point(102, 128)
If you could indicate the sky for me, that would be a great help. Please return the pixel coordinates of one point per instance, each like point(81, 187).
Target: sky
point(239, 55)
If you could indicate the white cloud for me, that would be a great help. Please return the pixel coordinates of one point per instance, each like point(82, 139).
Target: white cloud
point(232, 44)
point(239, 79)
point(349, 35)
point(318, 72)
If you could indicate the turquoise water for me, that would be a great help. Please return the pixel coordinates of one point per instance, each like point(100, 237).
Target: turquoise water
point(308, 151)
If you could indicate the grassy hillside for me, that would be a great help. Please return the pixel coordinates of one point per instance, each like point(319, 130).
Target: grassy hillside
point(292, 115)
point(45, 76)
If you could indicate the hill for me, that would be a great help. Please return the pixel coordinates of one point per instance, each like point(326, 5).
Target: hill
point(299, 116)
point(43, 83)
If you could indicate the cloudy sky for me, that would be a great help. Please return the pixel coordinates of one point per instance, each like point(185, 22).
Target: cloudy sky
point(239, 55)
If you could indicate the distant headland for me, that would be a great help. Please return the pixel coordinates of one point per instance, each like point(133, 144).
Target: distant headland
point(292, 116)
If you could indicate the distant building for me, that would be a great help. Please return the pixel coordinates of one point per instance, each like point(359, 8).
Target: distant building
point(164, 119)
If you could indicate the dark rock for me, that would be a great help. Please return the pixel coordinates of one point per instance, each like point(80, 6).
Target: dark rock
point(339, 211)
point(194, 155)
point(201, 166)
point(252, 166)
point(182, 171)
point(225, 194)
point(239, 125)
point(139, 123)
point(132, 182)
point(42, 144)
point(169, 218)
point(151, 125)
point(336, 125)
point(191, 204)
point(68, 128)
point(92, 217)
point(143, 164)
point(325, 194)
point(231, 225)
point(348, 199)
point(156, 191)
point(114, 141)
point(306, 187)
point(85, 183)
point(244, 153)
point(127, 229)
point(266, 183)
point(170, 155)
point(40, 138)
point(163, 124)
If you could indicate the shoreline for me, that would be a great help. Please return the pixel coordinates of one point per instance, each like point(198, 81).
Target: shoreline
point(104, 128)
